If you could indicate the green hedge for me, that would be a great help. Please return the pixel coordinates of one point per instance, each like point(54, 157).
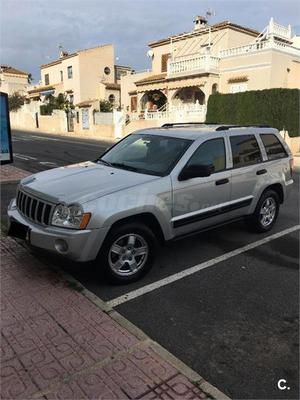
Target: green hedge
point(278, 108)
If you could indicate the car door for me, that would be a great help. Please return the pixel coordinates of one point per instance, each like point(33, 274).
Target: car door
point(247, 174)
point(197, 202)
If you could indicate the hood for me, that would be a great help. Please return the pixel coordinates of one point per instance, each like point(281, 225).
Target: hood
point(81, 182)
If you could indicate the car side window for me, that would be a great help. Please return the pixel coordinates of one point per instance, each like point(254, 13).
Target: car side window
point(274, 148)
point(210, 153)
point(245, 151)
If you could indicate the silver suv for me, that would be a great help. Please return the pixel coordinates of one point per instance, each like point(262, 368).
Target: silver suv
point(153, 186)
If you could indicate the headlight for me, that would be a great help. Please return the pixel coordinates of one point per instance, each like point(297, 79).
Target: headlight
point(71, 216)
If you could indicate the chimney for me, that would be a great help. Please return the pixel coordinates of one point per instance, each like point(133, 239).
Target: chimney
point(63, 53)
point(200, 23)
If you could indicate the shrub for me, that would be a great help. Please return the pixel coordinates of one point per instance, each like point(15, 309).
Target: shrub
point(15, 101)
point(278, 108)
point(105, 106)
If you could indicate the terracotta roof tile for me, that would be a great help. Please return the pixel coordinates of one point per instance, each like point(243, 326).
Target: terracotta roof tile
point(11, 70)
point(151, 78)
point(113, 86)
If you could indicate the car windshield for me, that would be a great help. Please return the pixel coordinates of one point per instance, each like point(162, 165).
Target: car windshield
point(147, 154)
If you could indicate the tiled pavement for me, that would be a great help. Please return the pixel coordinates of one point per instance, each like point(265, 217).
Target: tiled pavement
point(9, 173)
point(57, 344)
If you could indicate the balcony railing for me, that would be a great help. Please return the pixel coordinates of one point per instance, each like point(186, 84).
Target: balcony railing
point(258, 46)
point(192, 63)
point(279, 30)
point(194, 112)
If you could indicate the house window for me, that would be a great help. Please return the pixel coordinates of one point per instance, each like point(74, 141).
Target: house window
point(238, 87)
point(70, 72)
point(77, 117)
point(107, 70)
point(164, 62)
point(214, 88)
point(61, 76)
point(133, 103)
point(47, 80)
point(71, 97)
point(111, 98)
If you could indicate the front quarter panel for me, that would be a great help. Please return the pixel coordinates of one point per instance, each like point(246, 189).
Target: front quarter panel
point(152, 197)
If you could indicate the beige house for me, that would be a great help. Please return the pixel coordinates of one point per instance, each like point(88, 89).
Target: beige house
point(13, 80)
point(224, 57)
point(85, 76)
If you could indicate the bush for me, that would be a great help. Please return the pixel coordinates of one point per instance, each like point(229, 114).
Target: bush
point(278, 108)
point(105, 106)
point(15, 101)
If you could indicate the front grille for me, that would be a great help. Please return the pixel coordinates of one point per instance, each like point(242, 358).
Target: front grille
point(32, 208)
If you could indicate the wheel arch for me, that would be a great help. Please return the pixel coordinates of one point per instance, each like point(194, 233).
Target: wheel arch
point(145, 218)
point(277, 187)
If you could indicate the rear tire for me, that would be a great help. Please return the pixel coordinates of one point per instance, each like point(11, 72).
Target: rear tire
point(266, 212)
point(128, 253)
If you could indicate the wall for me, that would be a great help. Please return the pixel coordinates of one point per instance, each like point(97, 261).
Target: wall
point(128, 85)
point(91, 64)
point(13, 83)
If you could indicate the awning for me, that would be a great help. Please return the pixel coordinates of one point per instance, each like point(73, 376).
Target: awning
point(47, 92)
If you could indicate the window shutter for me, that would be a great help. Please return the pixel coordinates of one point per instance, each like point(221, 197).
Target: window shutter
point(164, 62)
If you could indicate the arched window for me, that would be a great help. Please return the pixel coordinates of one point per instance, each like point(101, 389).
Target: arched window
point(111, 98)
point(214, 88)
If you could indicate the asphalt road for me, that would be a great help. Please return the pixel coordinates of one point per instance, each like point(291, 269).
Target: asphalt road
point(235, 322)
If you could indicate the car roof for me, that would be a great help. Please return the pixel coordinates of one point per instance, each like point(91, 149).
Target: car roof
point(200, 131)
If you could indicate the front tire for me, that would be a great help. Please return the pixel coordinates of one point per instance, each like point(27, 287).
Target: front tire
point(266, 212)
point(128, 252)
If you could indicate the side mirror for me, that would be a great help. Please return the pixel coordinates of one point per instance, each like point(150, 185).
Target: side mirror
point(195, 171)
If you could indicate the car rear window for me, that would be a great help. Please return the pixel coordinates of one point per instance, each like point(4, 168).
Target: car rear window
point(245, 150)
point(274, 148)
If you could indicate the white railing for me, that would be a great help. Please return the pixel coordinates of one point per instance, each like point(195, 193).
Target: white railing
point(174, 113)
point(192, 63)
point(279, 30)
point(258, 46)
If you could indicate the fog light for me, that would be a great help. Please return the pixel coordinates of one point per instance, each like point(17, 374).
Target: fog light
point(61, 246)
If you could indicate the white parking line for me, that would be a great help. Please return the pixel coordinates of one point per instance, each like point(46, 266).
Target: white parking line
point(48, 163)
point(24, 157)
point(173, 278)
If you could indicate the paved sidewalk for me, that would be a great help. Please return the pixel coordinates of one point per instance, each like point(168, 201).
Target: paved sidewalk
point(57, 344)
point(9, 173)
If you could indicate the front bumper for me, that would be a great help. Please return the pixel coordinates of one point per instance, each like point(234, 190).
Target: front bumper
point(78, 245)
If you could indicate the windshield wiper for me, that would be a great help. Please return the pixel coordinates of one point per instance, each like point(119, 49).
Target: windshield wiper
point(104, 162)
point(124, 166)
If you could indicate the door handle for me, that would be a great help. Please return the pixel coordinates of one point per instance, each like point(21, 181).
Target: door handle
point(261, 172)
point(222, 181)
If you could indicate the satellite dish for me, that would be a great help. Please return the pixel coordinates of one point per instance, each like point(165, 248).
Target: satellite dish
point(150, 54)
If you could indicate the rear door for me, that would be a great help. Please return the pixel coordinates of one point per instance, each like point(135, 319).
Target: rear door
point(248, 172)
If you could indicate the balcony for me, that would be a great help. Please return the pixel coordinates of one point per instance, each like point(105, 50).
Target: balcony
point(270, 44)
point(193, 64)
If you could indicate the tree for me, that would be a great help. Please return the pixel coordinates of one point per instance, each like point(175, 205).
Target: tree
point(15, 101)
point(29, 78)
point(106, 106)
point(60, 102)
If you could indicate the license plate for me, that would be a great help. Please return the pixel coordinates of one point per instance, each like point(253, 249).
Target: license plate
point(19, 231)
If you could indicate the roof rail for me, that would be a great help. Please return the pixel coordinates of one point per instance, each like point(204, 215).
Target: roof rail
point(174, 124)
point(227, 127)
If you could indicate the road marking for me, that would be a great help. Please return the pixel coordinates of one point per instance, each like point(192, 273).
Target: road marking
point(48, 163)
point(173, 278)
point(83, 143)
point(24, 157)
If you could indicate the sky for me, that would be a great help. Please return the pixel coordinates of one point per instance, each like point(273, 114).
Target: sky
point(32, 30)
